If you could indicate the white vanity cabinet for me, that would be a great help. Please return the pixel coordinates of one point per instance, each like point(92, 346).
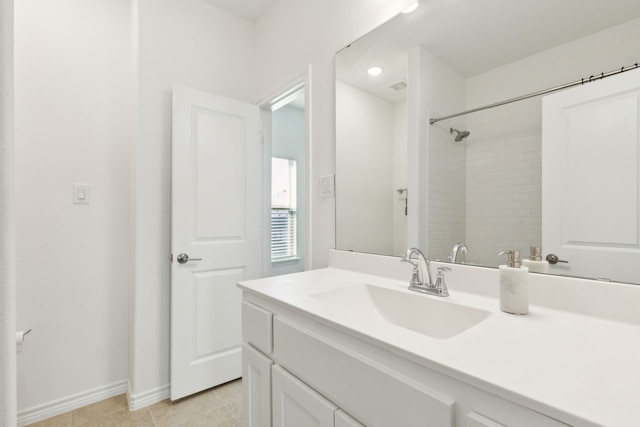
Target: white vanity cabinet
point(300, 371)
point(272, 396)
point(256, 387)
point(256, 365)
point(296, 404)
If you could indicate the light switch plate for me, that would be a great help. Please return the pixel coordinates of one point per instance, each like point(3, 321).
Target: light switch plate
point(81, 194)
point(327, 186)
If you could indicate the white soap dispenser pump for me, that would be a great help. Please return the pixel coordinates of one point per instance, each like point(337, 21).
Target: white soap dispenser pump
point(514, 286)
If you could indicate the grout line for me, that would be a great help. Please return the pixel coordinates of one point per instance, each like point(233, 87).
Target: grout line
point(227, 406)
point(224, 402)
point(153, 419)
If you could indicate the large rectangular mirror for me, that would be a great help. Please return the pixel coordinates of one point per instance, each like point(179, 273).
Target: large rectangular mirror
point(538, 172)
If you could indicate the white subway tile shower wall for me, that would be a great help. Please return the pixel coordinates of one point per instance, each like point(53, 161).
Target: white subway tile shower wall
point(504, 182)
point(447, 193)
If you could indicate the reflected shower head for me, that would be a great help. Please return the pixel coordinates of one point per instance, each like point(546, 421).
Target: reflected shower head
point(460, 134)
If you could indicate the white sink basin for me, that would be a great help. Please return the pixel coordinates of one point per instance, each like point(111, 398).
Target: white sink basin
point(426, 315)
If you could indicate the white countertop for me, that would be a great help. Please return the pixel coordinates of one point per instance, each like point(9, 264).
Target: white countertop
point(582, 370)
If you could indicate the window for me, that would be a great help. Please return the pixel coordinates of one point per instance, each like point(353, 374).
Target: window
point(283, 209)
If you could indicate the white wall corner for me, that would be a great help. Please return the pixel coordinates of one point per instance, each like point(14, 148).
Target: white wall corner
point(147, 398)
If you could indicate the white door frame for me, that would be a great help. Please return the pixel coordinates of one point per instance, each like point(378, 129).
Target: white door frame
point(268, 104)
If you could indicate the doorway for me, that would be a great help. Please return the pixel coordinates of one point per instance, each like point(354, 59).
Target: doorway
point(286, 170)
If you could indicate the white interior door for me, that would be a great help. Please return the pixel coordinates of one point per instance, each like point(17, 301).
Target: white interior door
point(215, 234)
point(590, 178)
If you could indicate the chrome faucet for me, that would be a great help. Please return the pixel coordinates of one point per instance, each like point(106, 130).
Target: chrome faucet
point(457, 248)
point(420, 265)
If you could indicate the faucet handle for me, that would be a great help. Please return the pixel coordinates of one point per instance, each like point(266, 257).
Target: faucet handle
point(440, 285)
point(415, 274)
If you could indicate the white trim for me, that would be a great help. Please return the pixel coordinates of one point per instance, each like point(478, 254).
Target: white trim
point(66, 404)
point(286, 261)
point(8, 358)
point(148, 397)
point(308, 129)
point(302, 78)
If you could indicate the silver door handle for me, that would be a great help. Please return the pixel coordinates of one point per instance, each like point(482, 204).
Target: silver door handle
point(553, 259)
point(184, 258)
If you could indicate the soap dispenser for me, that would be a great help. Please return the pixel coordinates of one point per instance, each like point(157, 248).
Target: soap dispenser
point(514, 286)
point(535, 263)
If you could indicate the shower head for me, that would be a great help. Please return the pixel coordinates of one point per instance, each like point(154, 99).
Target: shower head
point(460, 134)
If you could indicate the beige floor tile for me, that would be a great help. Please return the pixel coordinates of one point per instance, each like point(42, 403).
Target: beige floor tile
point(62, 420)
point(217, 407)
point(219, 416)
point(121, 418)
point(98, 409)
point(231, 395)
point(171, 413)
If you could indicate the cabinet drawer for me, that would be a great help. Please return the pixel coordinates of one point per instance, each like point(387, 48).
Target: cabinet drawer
point(376, 395)
point(257, 327)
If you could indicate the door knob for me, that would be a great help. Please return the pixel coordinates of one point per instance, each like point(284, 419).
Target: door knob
point(184, 258)
point(553, 259)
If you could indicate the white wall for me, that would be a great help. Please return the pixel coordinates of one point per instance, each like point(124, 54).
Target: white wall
point(504, 149)
point(79, 267)
point(365, 128)
point(72, 126)
point(190, 43)
point(288, 141)
point(321, 28)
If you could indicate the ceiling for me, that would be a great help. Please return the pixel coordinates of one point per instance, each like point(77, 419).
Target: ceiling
point(246, 9)
point(474, 36)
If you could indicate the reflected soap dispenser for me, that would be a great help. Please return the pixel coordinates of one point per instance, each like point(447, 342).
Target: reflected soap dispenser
point(535, 263)
point(514, 285)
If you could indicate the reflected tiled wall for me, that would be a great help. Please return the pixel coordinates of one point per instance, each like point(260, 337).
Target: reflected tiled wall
point(504, 181)
point(447, 192)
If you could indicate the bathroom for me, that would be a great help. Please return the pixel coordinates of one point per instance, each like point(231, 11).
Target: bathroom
point(98, 297)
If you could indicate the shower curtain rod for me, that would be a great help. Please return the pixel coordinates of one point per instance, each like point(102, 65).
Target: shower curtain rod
point(538, 93)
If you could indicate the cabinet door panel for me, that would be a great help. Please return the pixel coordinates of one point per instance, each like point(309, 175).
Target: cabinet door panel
point(296, 405)
point(256, 387)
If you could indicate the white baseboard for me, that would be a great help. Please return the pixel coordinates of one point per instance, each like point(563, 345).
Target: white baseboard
point(60, 406)
point(140, 400)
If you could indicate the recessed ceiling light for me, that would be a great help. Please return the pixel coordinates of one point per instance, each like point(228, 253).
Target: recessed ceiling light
point(411, 8)
point(374, 71)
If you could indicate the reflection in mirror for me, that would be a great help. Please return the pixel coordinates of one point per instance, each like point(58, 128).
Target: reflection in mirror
point(490, 188)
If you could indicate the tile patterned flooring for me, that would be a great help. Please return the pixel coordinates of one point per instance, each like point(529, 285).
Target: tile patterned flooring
point(217, 407)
